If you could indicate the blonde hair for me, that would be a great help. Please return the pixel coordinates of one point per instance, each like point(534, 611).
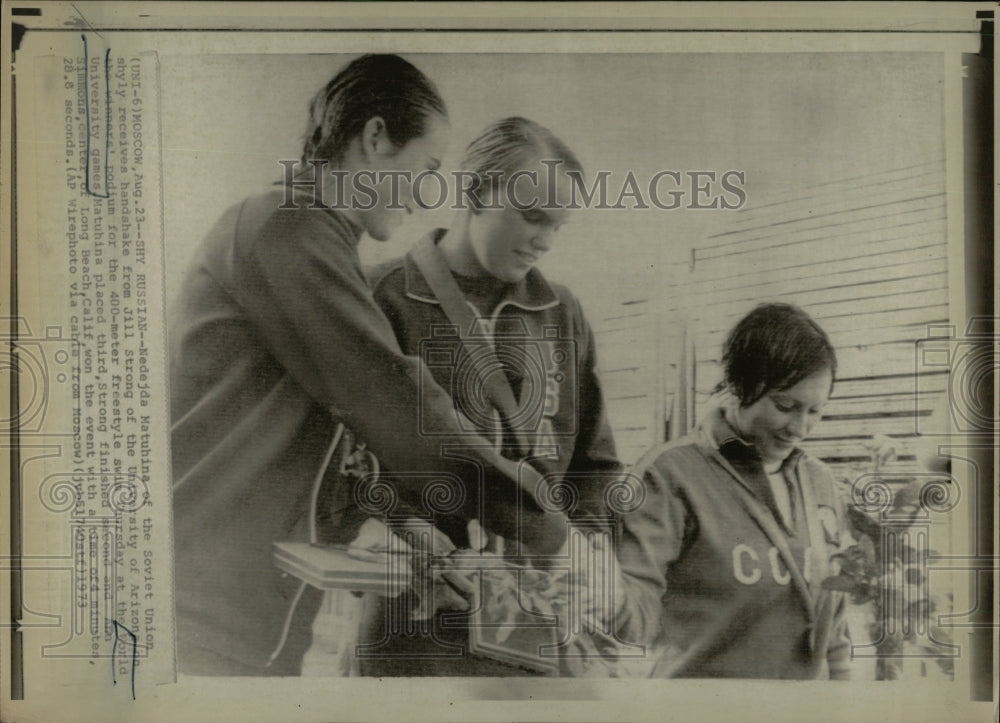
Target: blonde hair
point(509, 145)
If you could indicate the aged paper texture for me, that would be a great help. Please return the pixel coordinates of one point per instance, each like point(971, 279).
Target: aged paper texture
point(818, 155)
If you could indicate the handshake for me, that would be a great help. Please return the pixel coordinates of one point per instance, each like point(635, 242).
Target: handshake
point(582, 585)
point(559, 620)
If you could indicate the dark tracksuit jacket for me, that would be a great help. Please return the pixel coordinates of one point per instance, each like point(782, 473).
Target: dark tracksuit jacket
point(539, 326)
point(275, 337)
point(715, 583)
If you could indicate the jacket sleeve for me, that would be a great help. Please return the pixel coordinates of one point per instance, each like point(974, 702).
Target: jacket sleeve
point(303, 289)
point(838, 642)
point(838, 654)
point(594, 448)
point(648, 540)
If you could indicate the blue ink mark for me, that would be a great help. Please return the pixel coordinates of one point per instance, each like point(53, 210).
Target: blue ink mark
point(114, 674)
point(107, 116)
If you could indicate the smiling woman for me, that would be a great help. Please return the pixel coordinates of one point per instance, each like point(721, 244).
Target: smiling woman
point(520, 198)
point(780, 366)
point(521, 367)
point(276, 345)
point(723, 566)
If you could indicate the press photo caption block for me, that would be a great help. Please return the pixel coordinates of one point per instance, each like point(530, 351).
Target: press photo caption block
point(88, 352)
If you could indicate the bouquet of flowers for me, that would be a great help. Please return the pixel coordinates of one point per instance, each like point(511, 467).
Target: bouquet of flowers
point(555, 620)
point(886, 572)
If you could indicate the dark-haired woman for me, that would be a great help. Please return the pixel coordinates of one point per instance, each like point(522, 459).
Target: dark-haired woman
point(276, 342)
point(724, 562)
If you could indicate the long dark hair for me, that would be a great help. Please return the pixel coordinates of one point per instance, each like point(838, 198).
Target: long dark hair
point(372, 85)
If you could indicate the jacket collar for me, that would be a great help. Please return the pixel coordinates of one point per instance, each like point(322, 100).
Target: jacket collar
point(724, 438)
point(532, 293)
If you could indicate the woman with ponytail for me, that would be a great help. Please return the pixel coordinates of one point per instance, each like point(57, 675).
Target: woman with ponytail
point(280, 356)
